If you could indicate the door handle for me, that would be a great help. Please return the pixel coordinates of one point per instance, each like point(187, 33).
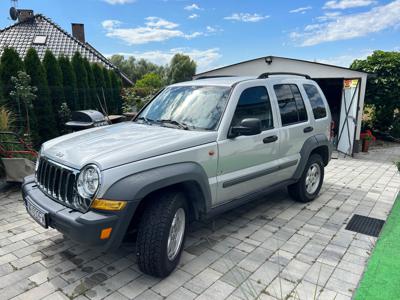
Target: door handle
point(308, 129)
point(270, 139)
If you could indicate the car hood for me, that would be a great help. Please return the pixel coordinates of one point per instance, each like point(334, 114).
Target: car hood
point(114, 145)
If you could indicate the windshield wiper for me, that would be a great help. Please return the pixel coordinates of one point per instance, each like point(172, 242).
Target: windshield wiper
point(174, 122)
point(146, 120)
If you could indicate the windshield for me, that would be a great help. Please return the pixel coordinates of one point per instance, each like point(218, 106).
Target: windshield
point(194, 107)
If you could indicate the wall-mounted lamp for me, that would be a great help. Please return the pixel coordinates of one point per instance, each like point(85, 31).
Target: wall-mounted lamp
point(268, 60)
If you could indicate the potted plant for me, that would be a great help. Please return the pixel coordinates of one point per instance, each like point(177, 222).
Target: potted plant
point(367, 137)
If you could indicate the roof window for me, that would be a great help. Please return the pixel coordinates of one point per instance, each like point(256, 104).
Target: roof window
point(40, 40)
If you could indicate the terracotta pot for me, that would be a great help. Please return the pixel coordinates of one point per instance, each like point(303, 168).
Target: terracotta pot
point(365, 145)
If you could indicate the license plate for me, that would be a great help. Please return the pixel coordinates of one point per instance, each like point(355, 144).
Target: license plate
point(36, 213)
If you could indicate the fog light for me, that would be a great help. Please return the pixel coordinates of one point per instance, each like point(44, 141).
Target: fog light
point(105, 233)
point(108, 204)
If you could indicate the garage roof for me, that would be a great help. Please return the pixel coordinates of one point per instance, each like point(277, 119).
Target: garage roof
point(255, 67)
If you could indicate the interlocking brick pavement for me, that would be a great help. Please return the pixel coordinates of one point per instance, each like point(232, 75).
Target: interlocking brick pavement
point(273, 248)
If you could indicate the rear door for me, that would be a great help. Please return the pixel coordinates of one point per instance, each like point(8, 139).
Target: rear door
point(296, 124)
point(247, 163)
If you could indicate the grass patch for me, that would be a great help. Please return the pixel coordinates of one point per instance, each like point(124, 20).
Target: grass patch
point(382, 277)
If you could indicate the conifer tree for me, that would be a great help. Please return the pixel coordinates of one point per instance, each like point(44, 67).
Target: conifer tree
point(92, 86)
point(100, 84)
point(55, 83)
point(11, 63)
point(81, 81)
point(42, 106)
point(69, 82)
point(107, 90)
point(116, 92)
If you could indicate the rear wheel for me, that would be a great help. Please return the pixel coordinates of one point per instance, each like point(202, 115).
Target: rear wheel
point(161, 234)
point(310, 182)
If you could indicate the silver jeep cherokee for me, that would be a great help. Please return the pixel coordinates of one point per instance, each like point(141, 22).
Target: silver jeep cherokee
point(197, 149)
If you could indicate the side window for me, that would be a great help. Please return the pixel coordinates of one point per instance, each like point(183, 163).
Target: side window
point(317, 104)
point(254, 103)
point(291, 104)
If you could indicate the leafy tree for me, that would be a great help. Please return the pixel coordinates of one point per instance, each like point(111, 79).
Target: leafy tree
point(150, 80)
point(182, 68)
point(99, 81)
point(107, 91)
point(43, 109)
point(11, 64)
point(55, 83)
point(92, 101)
point(82, 81)
point(24, 94)
point(136, 69)
point(383, 87)
point(69, 82)
point(116, 92)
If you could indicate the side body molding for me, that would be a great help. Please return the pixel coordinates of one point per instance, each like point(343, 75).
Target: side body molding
point(136, 186)
point(309, 145)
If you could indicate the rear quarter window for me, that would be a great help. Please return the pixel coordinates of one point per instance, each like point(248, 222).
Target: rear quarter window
point(291, 104)
point(317, 104)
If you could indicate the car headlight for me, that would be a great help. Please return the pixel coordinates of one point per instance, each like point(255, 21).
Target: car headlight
point(88, 181)
point(37, 160)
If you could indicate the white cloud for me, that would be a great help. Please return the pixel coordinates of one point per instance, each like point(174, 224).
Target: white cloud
point(205, 59)
point(192, 7)
point(159, 22)
point(155, 30)
point(345, 60)
point(193, 16)
point(114, 2)
point(301, 10)
point(193, 35)
point(344, 4)
point(246, 17)
point(350, 26)
point(329, 16)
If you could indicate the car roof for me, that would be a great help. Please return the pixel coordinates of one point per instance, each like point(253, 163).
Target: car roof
point(229, 81)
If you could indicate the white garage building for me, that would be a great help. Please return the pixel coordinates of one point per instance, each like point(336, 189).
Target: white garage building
point(344, 89)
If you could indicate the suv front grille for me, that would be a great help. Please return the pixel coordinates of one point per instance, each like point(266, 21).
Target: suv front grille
point(58, 182)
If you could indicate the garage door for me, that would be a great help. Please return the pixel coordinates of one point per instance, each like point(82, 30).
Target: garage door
point(348, 116)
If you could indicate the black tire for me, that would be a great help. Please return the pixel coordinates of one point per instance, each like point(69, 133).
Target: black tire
point(153, 232)
point(298, 190)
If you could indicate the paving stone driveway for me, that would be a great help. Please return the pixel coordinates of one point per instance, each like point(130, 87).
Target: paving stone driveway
point(273, 248)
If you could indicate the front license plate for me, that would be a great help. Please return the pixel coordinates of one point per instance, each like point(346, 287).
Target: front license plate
point(36, 213)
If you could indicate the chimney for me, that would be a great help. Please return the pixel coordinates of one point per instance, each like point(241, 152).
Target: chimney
point(78, 32)
point(25, 15)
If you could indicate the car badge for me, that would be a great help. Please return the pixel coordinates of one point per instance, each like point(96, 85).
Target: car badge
point(59, 154)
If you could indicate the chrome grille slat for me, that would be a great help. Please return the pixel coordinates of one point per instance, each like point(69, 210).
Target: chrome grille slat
point(56, 181)
point(60, 180)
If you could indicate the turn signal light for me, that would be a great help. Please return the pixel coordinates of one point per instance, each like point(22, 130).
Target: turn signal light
point(108, 204)
point(105, 233)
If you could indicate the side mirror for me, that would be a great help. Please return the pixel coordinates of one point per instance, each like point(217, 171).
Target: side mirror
point(251, 126)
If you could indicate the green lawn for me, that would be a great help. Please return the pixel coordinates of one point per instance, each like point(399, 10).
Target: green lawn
point(382, 277)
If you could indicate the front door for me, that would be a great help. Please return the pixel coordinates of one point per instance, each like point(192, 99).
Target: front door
point(247, 163)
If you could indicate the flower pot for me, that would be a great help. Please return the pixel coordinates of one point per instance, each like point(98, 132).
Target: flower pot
point(365, 145)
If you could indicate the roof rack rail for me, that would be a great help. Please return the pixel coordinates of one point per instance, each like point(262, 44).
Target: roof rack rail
point(266, 75)
point(213, 76)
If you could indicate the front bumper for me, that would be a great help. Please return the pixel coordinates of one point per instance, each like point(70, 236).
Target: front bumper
point(83, 228)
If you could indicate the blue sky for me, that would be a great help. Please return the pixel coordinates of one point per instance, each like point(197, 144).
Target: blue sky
point(221, 32)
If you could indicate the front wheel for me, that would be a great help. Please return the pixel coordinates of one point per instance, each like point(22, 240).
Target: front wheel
point(310, 182)
point(161, 234)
